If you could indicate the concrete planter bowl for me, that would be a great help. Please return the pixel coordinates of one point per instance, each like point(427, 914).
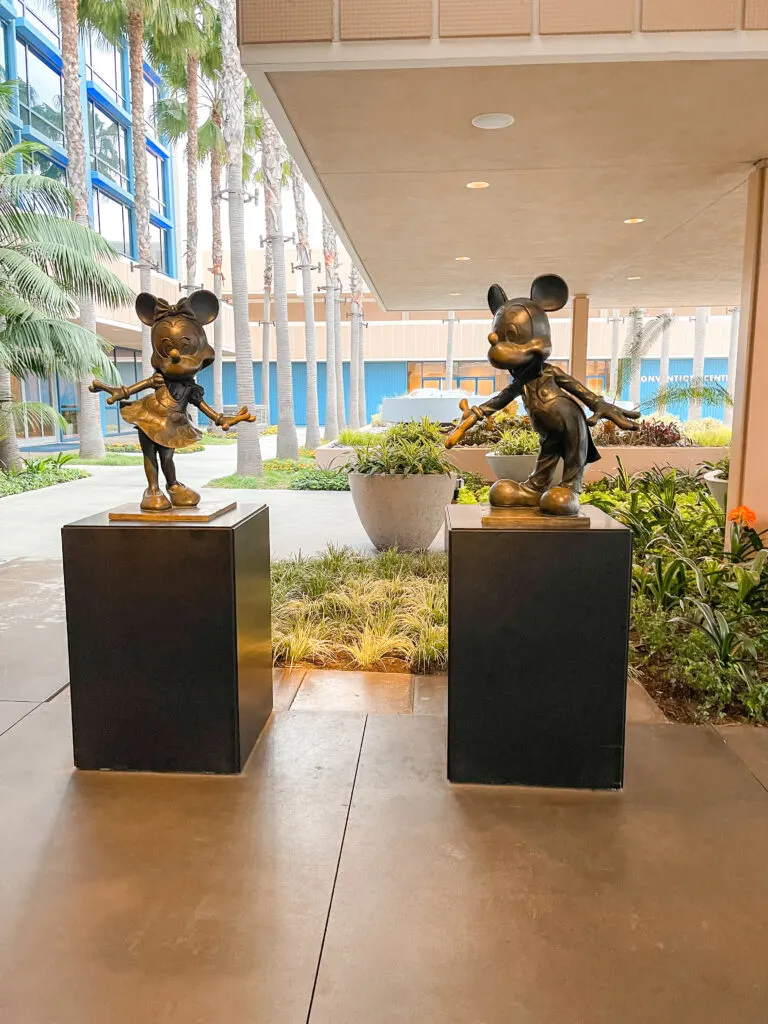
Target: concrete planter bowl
point(403, 512)
point(515, 467)
point(718, 487)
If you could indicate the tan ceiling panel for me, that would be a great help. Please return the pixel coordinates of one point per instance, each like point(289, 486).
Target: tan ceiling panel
point(386, 19)
point(566, 17)
point(278, 21)
point(485, 18)
point(689, 15)
point(756, 14)
point(592, 145)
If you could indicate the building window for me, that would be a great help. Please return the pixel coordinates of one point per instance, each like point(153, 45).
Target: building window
point(158, 238)
point(156, 183)
point(40, 103)
point(151, 96)
point(3, 51)
point(112, 220)
point(47, 168)
point(128, 363)
point(108, 147)
point(104, 65)
point(42, 16)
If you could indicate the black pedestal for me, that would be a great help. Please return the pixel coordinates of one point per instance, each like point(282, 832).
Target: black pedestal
point(538, 640)
point(169, 641)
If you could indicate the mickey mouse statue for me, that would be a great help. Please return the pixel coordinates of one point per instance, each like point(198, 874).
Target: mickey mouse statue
point(521, 343)
point(180, 349)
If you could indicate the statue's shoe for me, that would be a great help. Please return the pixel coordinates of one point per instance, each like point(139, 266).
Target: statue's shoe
point(560, 501)
point(511, 494)
point(183, 497)
point(154, 501)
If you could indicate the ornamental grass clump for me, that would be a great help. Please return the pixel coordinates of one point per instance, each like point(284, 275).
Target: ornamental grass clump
point(349, 610)
point(517, 441)
point(405, 449)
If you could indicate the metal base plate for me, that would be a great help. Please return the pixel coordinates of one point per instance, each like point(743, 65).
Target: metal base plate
point(203, 513)
point(495, 518)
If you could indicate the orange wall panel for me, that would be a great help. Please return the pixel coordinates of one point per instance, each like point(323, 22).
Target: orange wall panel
point(689, 15)
point(386, 19)
point(485, 18)
point(756, 14)
point(567, 17)
point(278, 21)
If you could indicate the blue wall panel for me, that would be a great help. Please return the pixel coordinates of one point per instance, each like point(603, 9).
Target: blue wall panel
point(382, 380)
point(715, 371)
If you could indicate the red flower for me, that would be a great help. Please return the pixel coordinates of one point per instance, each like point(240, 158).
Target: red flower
point(743, 516)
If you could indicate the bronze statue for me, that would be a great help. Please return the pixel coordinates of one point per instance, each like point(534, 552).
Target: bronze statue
point(180, 349)
point(521, 343)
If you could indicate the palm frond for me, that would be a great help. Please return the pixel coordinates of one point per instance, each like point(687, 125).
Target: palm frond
point(641, 336)
point(171, 118)
point(696, 390)
point(41, 346)
point(29, 282)
point(33, 191)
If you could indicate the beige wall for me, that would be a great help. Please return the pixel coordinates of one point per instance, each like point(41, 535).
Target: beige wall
point(411, 340)
point(297, 21)
point(122, 327)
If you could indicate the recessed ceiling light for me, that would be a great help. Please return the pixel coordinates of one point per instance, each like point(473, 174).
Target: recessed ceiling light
point(633, 278)
point(462, 259)
point(477, 184)
point(490, 121)
point(634, 220)
point(453, 294)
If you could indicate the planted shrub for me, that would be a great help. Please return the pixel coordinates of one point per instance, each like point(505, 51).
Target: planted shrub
point(651, 433)
point(517, 441)
point(405, 449)
point(320, 480)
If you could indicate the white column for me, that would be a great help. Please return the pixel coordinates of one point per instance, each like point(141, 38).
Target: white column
point(733, 355)
point(449, 352)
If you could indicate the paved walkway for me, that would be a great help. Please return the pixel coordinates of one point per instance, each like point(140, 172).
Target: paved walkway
point(341, 879)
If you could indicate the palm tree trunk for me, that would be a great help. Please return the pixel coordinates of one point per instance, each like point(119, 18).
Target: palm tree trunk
point(266, 318)
point(613, 384)
point(666, 337)
point(287, 443)
point(733, 358)
point(338, 352)
point(699, 348)
point(248, 447)
point(449, 351)
point(216, 258)
point(89, 413)
point(331, 419)
point(135, 27)
point(354, 349)
point(192, 161)
point(304, 260)
point(361, 371)
point(10, 457)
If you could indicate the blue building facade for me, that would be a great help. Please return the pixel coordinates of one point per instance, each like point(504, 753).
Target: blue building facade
point(30, 54)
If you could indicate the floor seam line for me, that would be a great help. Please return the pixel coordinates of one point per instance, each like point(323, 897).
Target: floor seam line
point(336, 874)
point(734, 754)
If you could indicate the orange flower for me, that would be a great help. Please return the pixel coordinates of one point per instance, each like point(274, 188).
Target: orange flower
point(743, 516)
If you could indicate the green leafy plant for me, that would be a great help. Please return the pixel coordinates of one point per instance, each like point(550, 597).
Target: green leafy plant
point(708, 433)
point(320, 480)
point(406, 449)
point(517, 441)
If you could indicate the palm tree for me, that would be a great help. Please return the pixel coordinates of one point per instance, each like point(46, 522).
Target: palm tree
point(48, 264)
point(272, 180)
point(361, 366)
point(699, 349)
point(233, 123)
point(733, 356)
point(641, 336)
point(329, 262)
point(355, 330)
point(266, 315)
point(113, 20)
point(304, 263)
point(89, 415)
point(449, 351)
point(338, 351)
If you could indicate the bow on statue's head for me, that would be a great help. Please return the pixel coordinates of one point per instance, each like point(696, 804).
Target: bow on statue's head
point(180, 348)
point(201, 306)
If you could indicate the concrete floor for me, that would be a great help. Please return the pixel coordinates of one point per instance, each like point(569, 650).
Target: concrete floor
point(341, 879)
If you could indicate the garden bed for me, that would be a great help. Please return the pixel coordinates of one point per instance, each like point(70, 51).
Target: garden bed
point(37, 476)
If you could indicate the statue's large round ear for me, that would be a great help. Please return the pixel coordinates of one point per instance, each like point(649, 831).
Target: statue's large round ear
point(549, 292)
point(496, 297)
point(204, 305)
point(146, 305)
